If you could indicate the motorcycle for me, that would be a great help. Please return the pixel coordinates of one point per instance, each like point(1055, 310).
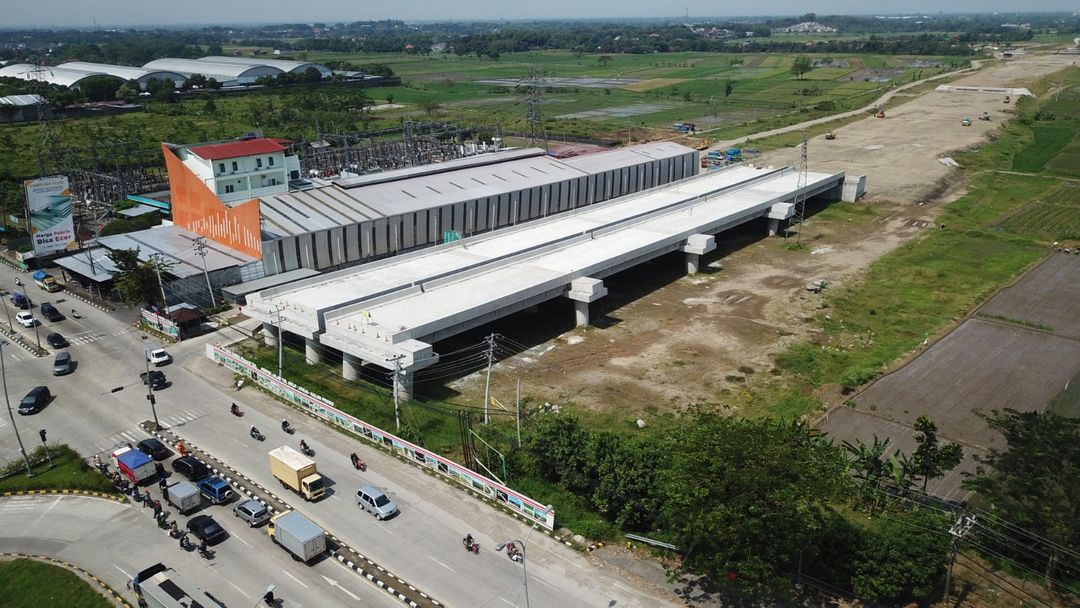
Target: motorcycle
point(255, 434)
point(471, 545)
point(513, 553)
point(235, 409)
point(285, 426)
point(75, 315)
point(357, 463)
point(184, 542)
point(306, 449)
point(205, 551)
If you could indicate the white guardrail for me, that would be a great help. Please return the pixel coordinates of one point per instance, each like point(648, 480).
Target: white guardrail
point(324, 408)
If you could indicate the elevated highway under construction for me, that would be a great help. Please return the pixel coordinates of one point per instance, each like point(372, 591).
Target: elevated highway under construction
point(389, 313)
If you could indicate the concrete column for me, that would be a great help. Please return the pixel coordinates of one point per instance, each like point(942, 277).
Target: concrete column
point(692, 262)
point(350, 366)
point(581, 313)
point(311, 351)
point(774, 225)
point(405, 384)
point(270, 335)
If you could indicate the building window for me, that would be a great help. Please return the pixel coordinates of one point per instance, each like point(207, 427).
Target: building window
point(229, 189)
point(221, 167)
point(270, 159)
point(235, 167)
point(258, 163)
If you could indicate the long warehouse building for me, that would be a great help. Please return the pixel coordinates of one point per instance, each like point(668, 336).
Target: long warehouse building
point(394, 310)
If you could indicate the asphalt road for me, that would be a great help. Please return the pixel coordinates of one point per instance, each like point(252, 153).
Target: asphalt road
point(116, 541)
point(421, 545)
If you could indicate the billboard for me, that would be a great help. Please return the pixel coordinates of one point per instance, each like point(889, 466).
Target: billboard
point(48, 200)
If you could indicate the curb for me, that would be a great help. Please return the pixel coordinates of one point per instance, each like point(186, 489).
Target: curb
point(105, 588)
point(91, 493)
point(90, 302)
point(12, 336)
point(236, 479)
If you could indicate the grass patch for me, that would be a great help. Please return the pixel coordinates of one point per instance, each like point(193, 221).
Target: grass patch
point(1012, 321)
point(1048, 141)
point(68, 472)
point(28, 583)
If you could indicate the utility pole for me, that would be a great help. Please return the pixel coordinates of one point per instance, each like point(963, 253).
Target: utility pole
point(487, 383)
point(396, 360)
point(958, 531)
point(150, 387)
point(517, 400)
point(41, 434)
point(156, 258)
point(280, 340)
point(200, 250)
point(7, 399)
point(33, 317)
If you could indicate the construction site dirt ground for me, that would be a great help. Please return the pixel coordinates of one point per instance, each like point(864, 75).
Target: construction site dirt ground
point(662, 340)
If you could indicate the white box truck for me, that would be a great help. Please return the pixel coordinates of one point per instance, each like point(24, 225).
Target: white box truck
point(298, 535)
point(184, 496)
point(297, 472)
point(160, 587)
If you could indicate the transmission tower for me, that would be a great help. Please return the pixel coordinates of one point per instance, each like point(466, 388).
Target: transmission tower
point(533, 86)
point(800, 197)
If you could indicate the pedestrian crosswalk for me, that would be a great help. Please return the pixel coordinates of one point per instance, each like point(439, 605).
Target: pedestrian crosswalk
point(89, 337)
point(135, 435)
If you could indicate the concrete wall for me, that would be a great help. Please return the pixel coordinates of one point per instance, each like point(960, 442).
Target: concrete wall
point(351, 244)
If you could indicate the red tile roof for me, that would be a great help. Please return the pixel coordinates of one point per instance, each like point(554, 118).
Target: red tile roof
point(234, 149)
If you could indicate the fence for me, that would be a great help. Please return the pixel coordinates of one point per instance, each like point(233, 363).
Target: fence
point(161, 324)
point(324, 408)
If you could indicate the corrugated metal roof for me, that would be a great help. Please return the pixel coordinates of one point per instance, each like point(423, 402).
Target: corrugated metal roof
point(281, 64)
point(23, 100)
point(220, 71)
point(122, 71)
point(233, 149)
point(428, 187)
point(176, 244)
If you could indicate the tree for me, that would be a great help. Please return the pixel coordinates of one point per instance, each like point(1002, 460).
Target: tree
point(931, 459)
point(801, 66)
point(901, 558)
point(729, 86)
point(428, 105)
point(9, 111)
point(1033, 482)
point(745, 500)
point(389, 98)
point(604, 60)
point(137, 280)
point(128, 91)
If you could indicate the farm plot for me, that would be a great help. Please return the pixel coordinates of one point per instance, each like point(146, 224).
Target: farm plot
point(979, 367)
point(1055, 218)
point(1048, 297)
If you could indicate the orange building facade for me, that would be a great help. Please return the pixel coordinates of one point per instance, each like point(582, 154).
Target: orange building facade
point(196, 208)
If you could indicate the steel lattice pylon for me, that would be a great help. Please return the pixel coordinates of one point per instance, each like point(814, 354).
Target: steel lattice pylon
point(533, 86)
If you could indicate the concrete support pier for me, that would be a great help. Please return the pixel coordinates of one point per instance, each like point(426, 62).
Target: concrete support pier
point(774, 225)
point(405, 384)
point(696, 246)
point(583, 291)
point(311, 351)
point(350, 366)
point(779, 211)
point(270, 335)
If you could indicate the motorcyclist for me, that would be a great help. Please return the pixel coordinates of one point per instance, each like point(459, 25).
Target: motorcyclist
point(235, 409)
point(355, 460)
point(203, 548)
point(255, 432)
point(284, 425)
point(304, 446)
point(468, 541)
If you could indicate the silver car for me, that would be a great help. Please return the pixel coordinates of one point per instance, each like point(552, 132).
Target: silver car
point(372, 500)
point(251, 511)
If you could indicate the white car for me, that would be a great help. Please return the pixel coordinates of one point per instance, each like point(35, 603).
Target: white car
point(159, 357)
point(26, 319)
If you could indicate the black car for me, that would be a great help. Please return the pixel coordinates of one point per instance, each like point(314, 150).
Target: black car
point(55, 340)
point(190, 467)
point(205, 528)
point(154, 449)
point(155, 378)
point(49, 312)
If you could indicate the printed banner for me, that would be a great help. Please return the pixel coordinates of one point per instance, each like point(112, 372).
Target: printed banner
point(48, 200)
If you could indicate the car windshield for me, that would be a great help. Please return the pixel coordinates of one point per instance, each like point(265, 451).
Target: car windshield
point(381, 500)
point(316, 485)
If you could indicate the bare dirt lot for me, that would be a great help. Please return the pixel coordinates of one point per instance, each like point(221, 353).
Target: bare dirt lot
point(663, 340)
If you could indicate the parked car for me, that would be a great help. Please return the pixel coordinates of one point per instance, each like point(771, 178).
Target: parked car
point(205, 528)
point(159, 357)
point(190, 467)
point(55, 340)
point(26, 319)
point(251, 511)
point(155, 379)
point(374, 501)
point(35, 400)
point(49, 312)
point(62, 364)
point(154, 449)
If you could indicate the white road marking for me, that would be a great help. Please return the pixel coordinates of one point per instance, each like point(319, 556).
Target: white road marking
point(334, 583)
point(121, 570)
point(286, 573)
point(441, 564)
point(241, 442)
point(507, 601)
point(240, 539)
point(242, 592)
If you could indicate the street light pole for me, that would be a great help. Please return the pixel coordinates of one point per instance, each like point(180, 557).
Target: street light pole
point(150, 388)
point(8, 314)
point(7, 399)
point(200, 250)
point(524, 545)
point(33, 318)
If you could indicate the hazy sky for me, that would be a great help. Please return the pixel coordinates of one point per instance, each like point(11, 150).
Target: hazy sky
point(80, 13)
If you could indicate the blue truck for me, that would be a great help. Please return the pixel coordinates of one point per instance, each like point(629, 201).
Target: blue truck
point(216, 490)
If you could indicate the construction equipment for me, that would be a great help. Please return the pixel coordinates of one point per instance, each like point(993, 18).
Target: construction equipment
point(702, 144)
point(880, 114)
point(1006, 99)
point(830, 135)
point(985, 117)
point(966, 122)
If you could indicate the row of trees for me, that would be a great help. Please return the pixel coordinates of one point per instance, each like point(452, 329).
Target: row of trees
point(755, 502)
